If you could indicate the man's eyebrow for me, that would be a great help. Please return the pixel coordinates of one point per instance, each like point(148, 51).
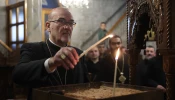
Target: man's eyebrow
point(65, 19)
point(72, 20)
point(62, 18)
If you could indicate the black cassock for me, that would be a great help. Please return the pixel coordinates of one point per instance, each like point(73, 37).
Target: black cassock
point(150, 72)
point(31, 72)
point(156, 75)
point(107, 67)
point(93, 69)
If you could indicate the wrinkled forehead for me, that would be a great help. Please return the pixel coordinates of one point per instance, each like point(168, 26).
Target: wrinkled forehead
point(114, 40)
point(94, 49)
point(61, 13)
point(149, 49)
point(101, 46)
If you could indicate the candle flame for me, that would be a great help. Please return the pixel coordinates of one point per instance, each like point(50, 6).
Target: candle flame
point(117, 54)
point(111, 35)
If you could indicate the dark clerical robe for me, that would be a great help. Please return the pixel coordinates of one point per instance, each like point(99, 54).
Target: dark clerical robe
point(107, 67)
point(156, 75)
point(141, 73)
point(31, 72)
point(94, 69)
point(150, 72)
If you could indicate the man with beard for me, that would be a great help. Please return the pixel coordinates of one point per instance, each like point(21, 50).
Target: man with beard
point(107, 65)
point(156, 75)
point(52, 62)
point(143, 66)
point(150, 70)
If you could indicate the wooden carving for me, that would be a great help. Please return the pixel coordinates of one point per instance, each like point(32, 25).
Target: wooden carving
point(136, 10)
point(169, 68)
point(159, 14)
point(167, 22)
point(131, 19)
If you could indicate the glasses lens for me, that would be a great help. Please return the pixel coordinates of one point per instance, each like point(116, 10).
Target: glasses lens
point(114, 43)
point(63, 21)
point(118, 43)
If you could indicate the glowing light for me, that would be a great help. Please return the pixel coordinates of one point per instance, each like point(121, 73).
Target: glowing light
point(117, 54)
point(75, 3)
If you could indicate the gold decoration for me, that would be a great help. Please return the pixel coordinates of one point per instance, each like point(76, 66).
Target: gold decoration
point(122, 78)
point(150, 35)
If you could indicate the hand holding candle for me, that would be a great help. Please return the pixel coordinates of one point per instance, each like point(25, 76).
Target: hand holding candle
point(115, 72)
point(110, 35)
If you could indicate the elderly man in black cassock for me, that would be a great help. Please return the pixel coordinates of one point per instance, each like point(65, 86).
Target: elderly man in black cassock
point(52, 62)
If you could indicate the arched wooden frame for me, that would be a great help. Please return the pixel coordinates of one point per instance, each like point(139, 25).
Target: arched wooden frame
point(161, 14)
point(135, 10)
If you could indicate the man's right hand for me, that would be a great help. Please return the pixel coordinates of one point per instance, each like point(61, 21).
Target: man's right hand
point(66, 57)
point(161, 88)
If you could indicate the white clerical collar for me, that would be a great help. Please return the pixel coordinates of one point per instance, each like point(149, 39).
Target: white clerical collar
point(54, 43)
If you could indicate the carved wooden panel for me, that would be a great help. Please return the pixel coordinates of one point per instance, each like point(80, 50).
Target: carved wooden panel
point(136, 28)
point(170, 86)
point(169, 68)
point(161, 14)
point(166, 25)
point(132, 64)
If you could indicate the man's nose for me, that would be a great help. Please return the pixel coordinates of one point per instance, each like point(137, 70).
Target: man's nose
point(117, 46)
point(67, 25)
point(149, 54)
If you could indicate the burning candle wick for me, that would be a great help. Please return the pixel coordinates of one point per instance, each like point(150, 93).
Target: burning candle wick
point(115, 72)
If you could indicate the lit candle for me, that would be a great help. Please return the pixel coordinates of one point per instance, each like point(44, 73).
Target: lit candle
point(115, 72)
point(108, 36)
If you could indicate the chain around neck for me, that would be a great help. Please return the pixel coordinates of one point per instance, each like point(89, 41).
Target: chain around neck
point(122, 66)
point(56, 70)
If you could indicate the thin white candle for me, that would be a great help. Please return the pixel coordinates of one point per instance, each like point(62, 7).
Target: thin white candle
point(115, 72)
point(110, 35)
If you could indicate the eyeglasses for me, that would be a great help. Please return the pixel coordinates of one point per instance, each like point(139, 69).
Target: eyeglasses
point(64, 22)
point(114, 43)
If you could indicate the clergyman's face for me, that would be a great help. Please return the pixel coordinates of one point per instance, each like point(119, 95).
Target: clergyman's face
point(150, 53)
point(115, 43)
point(61, 31)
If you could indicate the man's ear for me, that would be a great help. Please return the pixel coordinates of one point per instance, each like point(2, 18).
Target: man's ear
point(48, 26)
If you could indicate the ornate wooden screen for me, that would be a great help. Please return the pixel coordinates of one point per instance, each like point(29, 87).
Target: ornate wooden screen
point(153, 17)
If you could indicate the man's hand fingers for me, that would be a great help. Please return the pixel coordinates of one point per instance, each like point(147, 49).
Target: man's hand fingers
point(70, 56)
point(67, 57)
point(74, 52)
point(68, 63)
point(64, 65)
